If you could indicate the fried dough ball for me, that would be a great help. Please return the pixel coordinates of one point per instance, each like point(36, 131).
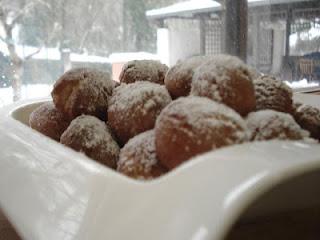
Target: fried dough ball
point(228, 80)
point(272, 93)
point(133, 108)
point(270, 124)
point(308, 118)
point(138, 158)
point(143, 70)
point(179, 77)
point(193, 125)
point(91, 136)
point(49, 121)
point(83, 91)
point(115, 83)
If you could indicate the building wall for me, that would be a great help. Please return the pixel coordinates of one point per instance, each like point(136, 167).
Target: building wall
point(184, 39)
point(278, 50)
point(48, 71)
point(116, 70)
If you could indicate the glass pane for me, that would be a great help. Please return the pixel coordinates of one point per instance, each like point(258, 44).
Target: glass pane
point(39, 40)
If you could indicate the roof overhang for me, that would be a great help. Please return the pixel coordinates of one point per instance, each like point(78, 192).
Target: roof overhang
point(193, 7)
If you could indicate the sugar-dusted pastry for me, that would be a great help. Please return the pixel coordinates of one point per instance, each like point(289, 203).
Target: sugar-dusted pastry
point(143, 70)
point(225, 79)
point(83, 91)
point(138, 158)
point(308, 118)
point(192, 125)
point(179, 77)
point(91, 136)
point(133, 108)
point(270, 124)
point(49, 121)
point(272, 93)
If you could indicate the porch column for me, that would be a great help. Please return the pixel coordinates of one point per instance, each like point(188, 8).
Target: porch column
point(255, 39)
point(202, 35)
point(236, 28)
point(163, 45)
point(288, 32)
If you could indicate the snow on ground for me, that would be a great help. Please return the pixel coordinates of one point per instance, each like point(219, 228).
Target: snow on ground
point(310, 34)
point(27, 92)
point(52, 54)
point(302, 84)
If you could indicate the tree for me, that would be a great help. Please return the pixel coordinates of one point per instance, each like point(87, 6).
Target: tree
point(82, 26)
point(51, 23)
point(139, 34)
point(11, 17)
point(4, 66)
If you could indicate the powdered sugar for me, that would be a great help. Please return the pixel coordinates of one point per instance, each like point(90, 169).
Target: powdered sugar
point(205, 82)
point(179, 77)
point(203, 115)
point(48, 120)
point(83, 91)
point(143, 70)
point(90, 135)
point(90, 128)
point(141, 94)
point(192, 125)
point(269, 124)
point(309, 113)
point(308, 117)
point(133, 108)
point(272, 93)
point(143, 147)
point(217, 69)
point(46, 112)
point(225, 79)
point(138, 157)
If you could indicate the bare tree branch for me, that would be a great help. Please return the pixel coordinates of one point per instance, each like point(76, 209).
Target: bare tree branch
point(34, 53)
point(27, 7)
point(6, 41)
point(86, 34)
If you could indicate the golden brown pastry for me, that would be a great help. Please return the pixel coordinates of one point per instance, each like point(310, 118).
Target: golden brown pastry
point(83, 91)
point(143, 70)
point(138, 158)
point(179, 77)
point(91, 136)
point(49, 121)
point(308, 118)
point(272, 93)
point(228, 80)
point(133, 108)
point(270, 124)
point(193, 125)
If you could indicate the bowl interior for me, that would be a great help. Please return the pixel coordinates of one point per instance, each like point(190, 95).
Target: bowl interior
point(279, 211)
point(23, 112)
point(289, 210)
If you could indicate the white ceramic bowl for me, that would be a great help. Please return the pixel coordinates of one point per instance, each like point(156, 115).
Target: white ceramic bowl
point(50, 192)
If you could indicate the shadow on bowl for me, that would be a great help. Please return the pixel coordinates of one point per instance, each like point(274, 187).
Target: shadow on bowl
point(291, 210)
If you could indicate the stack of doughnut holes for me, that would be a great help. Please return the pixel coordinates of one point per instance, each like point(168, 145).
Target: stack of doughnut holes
point(157, 118)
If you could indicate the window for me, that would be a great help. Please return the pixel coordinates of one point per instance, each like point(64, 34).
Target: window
point(39, 40)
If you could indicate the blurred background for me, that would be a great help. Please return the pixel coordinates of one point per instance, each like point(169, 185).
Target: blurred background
point(41, 39)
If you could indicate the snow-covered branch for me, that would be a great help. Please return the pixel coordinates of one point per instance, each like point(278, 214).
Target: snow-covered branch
point(32, 54)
